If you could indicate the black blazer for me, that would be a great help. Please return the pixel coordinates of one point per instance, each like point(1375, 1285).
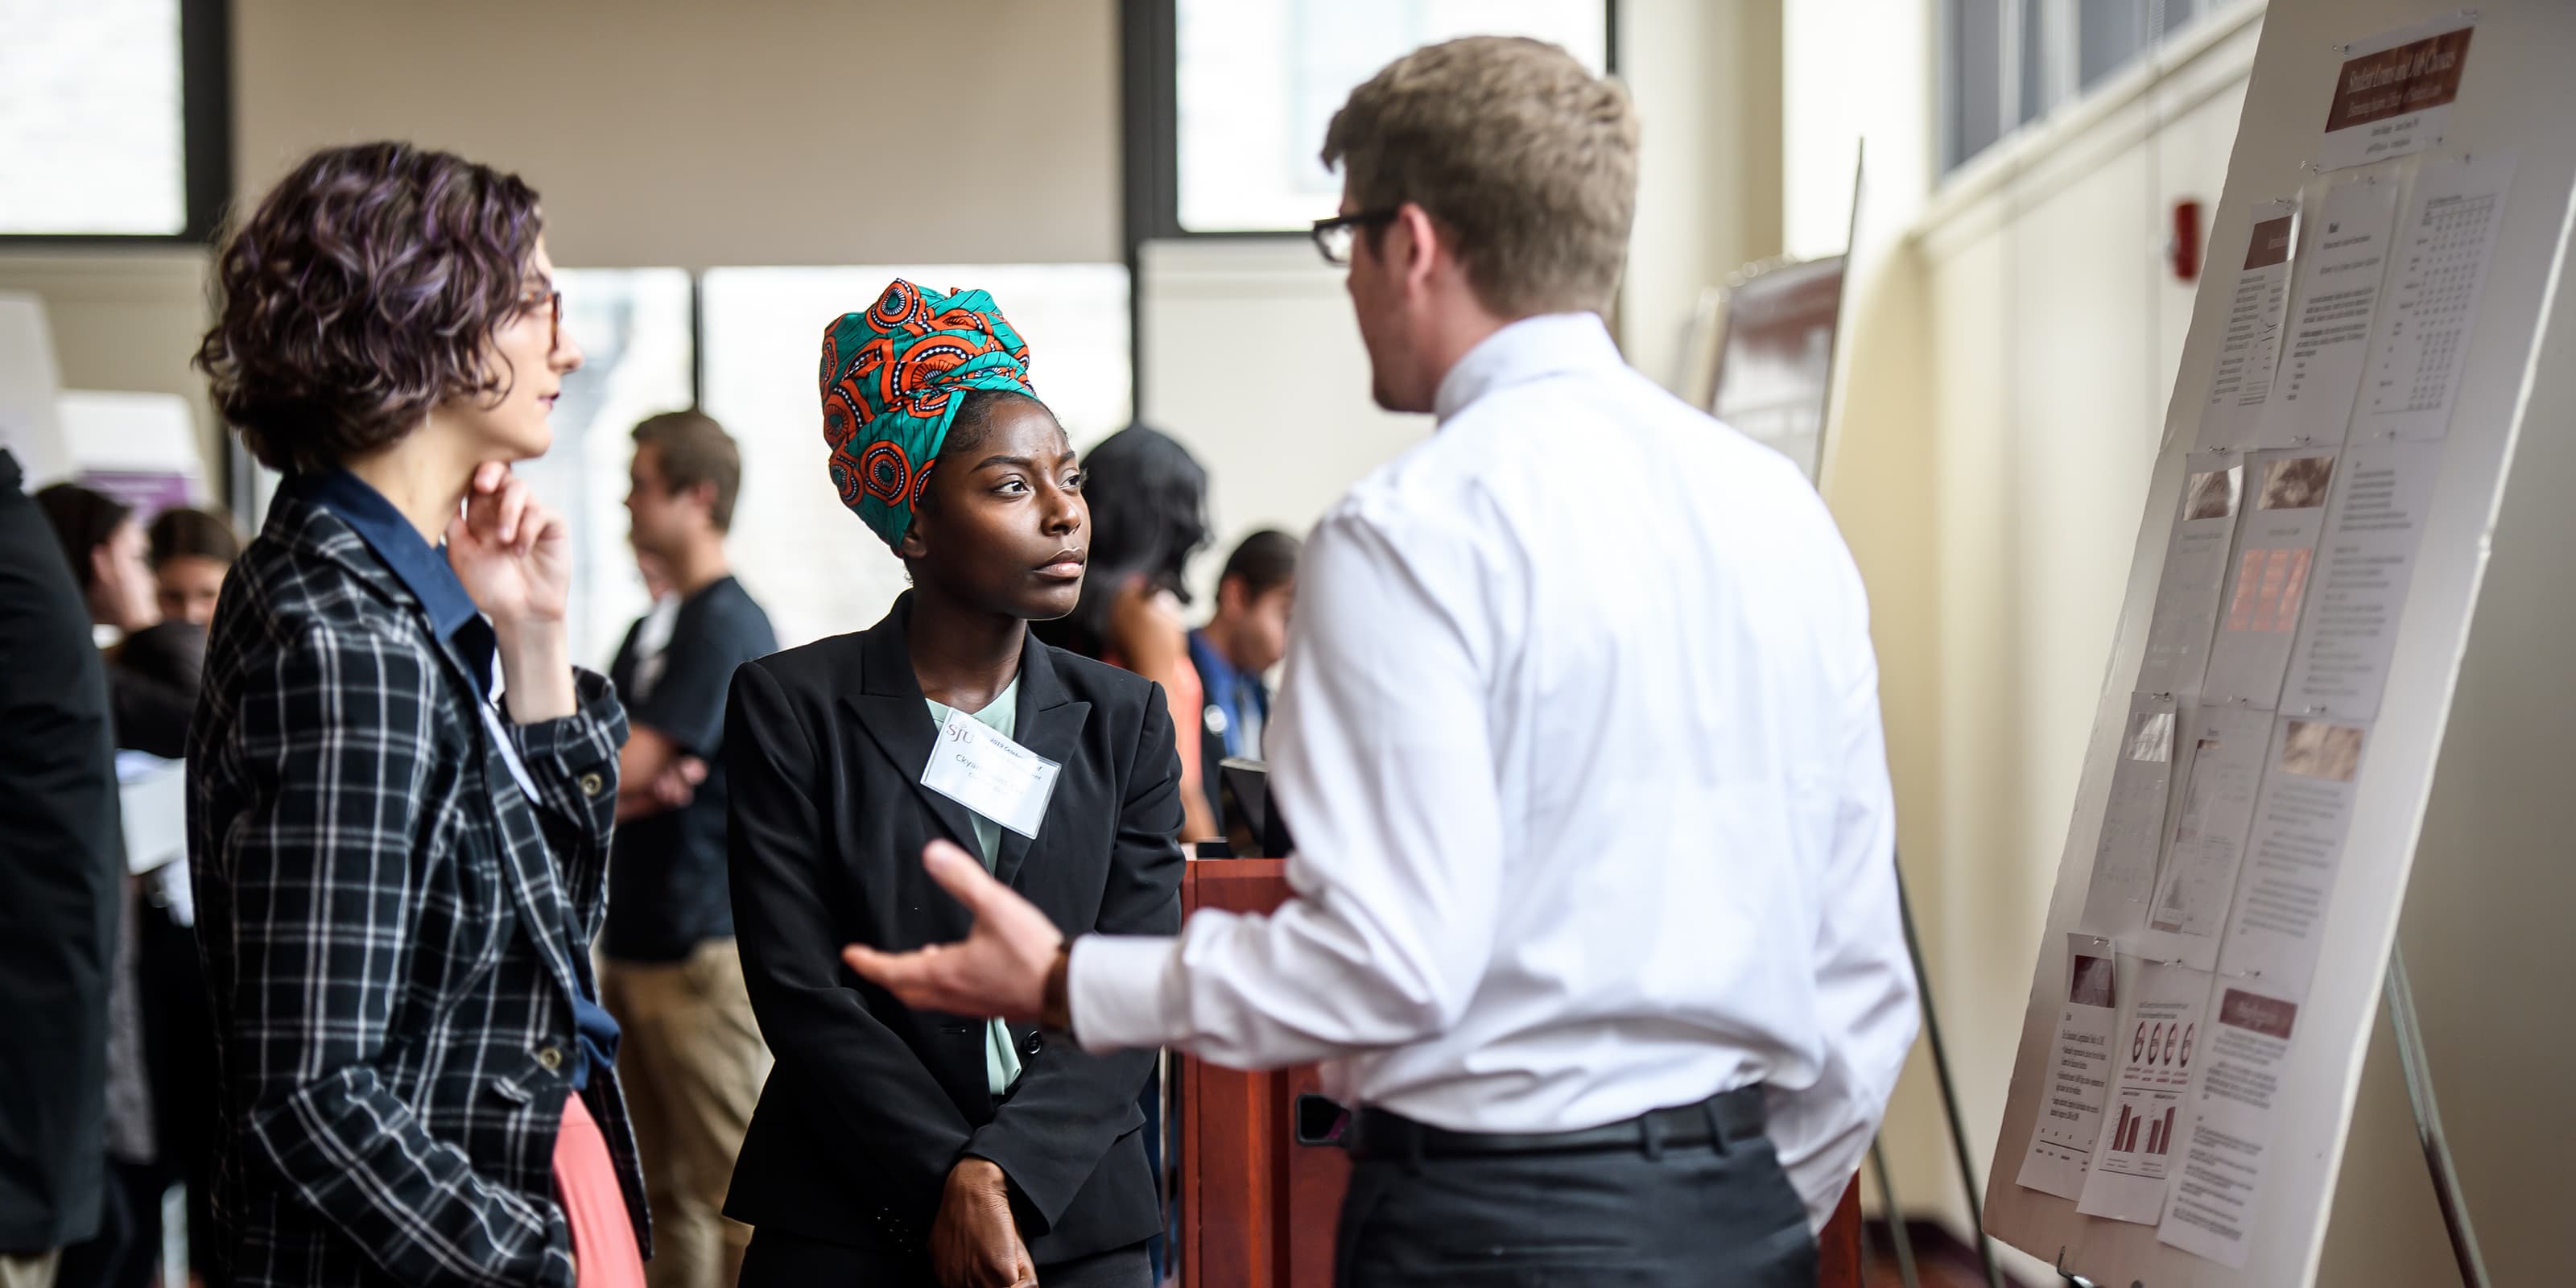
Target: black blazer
point(62, 870)
point(871, 1103)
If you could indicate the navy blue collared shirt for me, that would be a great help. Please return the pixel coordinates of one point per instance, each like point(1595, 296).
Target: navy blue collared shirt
point(1230, 691)
point(423, 570)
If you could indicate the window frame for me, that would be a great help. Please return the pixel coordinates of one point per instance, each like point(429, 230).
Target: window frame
point(1149, 81)
point(1150, 160)
point(205, 145)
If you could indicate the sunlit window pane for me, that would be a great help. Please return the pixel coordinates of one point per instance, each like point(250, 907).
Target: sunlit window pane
point(1259, 79)
point(90, 133)
point(637, 354)
point(815, 567)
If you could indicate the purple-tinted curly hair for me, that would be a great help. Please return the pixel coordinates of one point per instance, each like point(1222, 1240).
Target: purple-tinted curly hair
point(362, 292)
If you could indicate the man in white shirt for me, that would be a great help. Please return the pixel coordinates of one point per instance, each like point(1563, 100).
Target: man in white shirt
point(1595, 912)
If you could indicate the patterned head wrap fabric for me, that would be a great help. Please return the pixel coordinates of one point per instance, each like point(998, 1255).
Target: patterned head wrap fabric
point(891, 378)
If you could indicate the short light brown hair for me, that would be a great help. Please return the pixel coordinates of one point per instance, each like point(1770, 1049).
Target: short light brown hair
point(1526, 157)
point(692, 448)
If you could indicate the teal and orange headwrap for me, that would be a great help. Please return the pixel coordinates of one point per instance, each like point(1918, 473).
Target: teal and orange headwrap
point(891, 380)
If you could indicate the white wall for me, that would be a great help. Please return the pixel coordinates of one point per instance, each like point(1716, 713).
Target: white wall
point(687, 134)
point(1252, 360)
point(1705, 76)
point(126, 320)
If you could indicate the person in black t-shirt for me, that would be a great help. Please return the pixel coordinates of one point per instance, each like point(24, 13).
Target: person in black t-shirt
point(693, 1062)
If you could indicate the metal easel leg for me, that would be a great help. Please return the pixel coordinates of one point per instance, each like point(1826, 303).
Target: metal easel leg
point(2428, 1123)
point(1897, 1234)
point(1949, 1094)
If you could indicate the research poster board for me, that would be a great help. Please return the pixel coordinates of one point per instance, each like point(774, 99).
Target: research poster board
point(1776, 363)
point(2337, 441)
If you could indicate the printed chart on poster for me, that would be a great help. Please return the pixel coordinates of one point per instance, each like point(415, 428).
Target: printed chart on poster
point(2300, 593)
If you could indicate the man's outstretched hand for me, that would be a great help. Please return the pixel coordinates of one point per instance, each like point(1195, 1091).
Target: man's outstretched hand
point(999, 969)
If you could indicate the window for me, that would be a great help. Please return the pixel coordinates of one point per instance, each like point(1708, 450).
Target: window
point(1253, 83)
point(811, 563)
point(1976, 83)
point(113, 118)
point(2109, 34)
point(2045, 53)
point(638, 358)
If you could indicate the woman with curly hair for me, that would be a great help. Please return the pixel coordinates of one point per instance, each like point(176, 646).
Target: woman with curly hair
point(400, 787)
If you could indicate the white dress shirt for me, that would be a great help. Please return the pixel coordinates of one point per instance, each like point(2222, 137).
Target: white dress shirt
point(1580, 741)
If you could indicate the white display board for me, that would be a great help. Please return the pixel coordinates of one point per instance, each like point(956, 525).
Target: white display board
point(2297, 609)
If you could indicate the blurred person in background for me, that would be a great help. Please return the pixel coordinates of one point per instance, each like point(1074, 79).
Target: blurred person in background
point(1148, 500)
point(62, 876)
point(903, 1146)
point(1595, 922)
point(1246, 636)
point(691, 1060)
point(104, 547)
point(191, 550)
point(401, 789)
point(109, 556)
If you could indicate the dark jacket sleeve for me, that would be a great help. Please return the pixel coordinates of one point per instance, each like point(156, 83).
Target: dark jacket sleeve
point(573, 762)
point(317, 917)
point(62, 866)
point(883, 1105)
point(1071, 1106)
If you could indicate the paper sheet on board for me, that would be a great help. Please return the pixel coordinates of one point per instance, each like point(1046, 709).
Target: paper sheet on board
point(2195, 572)
point(2340, 271)
point(2365, 561)
point(2221, 773)
point(2274, 555)
point(2079, 1075)
point(2294, 855)
point(2438, 275)
point(2124, 860)
point(2394, 92)
point(2249, 348)
point(2155, 1048)
point(2213, 1207)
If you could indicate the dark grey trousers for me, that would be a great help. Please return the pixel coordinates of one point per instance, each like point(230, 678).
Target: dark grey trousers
point(1689, 1215)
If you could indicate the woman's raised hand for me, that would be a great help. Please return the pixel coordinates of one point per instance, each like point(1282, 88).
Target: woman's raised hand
point(513, 553)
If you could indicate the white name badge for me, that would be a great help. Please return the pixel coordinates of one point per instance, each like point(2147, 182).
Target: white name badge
point(990, 774)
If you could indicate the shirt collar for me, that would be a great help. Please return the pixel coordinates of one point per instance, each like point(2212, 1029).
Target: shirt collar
point(418, 565)
point(1214, 666)
point(1546, 345)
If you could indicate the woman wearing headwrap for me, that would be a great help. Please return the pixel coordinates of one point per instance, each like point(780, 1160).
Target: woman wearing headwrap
point(891, 1145)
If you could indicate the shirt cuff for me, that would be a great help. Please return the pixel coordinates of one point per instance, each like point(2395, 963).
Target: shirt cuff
point(1124, 992)
point(586, 739)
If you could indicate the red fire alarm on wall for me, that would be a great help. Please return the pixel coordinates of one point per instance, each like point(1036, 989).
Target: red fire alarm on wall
point(2183, 251)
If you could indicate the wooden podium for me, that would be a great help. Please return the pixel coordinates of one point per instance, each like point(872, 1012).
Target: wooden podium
point(1258, 1210)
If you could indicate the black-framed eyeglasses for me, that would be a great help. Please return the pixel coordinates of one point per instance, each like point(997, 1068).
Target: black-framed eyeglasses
point(1333, 237)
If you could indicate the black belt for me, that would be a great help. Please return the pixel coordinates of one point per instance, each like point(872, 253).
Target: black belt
point(1725, 1119)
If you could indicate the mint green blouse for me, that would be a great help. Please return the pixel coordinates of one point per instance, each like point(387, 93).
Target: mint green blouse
point(1001, 1060)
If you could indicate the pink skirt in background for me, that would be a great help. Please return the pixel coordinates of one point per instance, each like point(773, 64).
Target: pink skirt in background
point(603, 1234)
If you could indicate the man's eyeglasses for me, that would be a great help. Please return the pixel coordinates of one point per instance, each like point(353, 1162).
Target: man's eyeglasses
point(541, 294)
point(1333, 237)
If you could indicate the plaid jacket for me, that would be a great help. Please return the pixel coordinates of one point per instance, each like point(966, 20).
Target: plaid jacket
point(392, 932)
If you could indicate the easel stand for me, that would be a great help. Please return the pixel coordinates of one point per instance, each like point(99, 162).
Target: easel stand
point(2400, 996)
point(1896, 1230)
